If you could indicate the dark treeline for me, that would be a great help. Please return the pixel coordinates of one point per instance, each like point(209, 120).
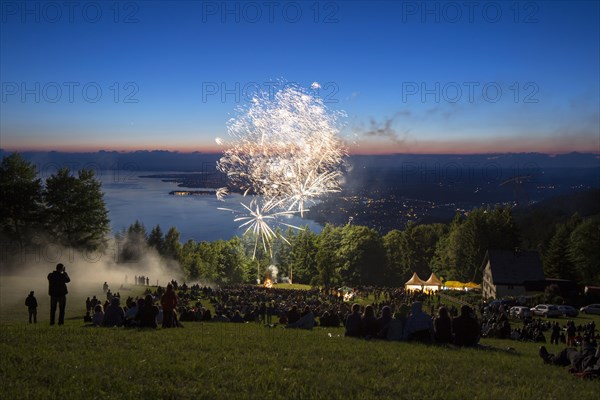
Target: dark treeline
point(67, 207)
point(70, 209)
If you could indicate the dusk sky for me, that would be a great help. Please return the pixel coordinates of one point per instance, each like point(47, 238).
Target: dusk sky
point(413, 77)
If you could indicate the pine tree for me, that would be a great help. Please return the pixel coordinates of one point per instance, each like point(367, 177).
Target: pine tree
point(76, 212)
point(21, 208)
point(156, 239)
point(556, 260)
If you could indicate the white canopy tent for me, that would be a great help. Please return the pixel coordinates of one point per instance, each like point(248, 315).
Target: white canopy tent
point(414, 283)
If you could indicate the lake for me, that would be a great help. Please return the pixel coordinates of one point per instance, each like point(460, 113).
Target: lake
point(129, 197)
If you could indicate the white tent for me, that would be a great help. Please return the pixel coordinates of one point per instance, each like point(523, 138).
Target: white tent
point(415, 283)
point(433, 284)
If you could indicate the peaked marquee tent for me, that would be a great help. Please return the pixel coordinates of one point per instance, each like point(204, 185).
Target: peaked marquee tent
point(414, 283)
point(433, 284)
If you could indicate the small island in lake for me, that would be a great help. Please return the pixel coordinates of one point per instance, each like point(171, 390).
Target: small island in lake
point(192, 192)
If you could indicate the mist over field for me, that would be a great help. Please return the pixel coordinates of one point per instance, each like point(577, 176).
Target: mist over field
point(27, 269)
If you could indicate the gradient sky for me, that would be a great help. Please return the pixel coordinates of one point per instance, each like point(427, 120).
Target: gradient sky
point(162, 68)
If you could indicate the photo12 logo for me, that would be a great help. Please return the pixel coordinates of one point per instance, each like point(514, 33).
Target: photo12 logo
point(69, 92)
point(470, 12)
point(243, 92)
point(113, 172)
point(44, 251)
point(71, 12)
point(467, 172)
point(253, 12)
point(469, 92)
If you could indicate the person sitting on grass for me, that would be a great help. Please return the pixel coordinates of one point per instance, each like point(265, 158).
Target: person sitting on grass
point(237, 317)
point(368, 323)
point(283, 318)
point(324, 320)
point(465, 328)
point(397, 324)
point(87, 318)
point(442, 326)
point(147, 313)
point(114, 315)
point(98, 315)
point(383, 322)
point(131, 313)
point(353, 322)
point(334, 319)
point(306, 321)
point(293, 315)
point(419, 326)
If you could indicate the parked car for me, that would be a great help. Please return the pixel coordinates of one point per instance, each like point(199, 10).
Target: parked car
point(591, 309)
point(546, 310)
point(520, 312)
point(568, 311)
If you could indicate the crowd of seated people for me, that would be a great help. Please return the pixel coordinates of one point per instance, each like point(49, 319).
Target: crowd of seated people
point(141, 313)
point(387, 317)
point(250, 303)
point(416, 326)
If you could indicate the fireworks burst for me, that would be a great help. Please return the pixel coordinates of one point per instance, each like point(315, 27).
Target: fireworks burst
point(259, 214)
point(286, 150)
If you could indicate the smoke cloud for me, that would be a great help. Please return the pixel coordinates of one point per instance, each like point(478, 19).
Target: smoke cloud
point(23, 269)
point(385, 128)
point(273, 272)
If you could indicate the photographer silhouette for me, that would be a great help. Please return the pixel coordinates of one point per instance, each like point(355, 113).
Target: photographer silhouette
point(57, 289)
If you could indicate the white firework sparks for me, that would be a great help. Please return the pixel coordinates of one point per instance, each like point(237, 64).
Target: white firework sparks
point(257, 218)
point(286, 149)
point(221, 193)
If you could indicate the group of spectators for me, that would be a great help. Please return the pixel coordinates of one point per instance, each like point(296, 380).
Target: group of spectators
point(141, 312)
point(389, 317)
point(496, 324)
point(416, 326)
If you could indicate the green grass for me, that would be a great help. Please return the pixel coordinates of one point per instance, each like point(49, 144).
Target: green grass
point(298, 286)
point(214, 360)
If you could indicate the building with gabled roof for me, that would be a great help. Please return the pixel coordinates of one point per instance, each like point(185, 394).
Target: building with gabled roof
point(510, 272)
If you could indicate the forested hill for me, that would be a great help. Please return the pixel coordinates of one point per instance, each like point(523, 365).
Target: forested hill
point(584, 203)
point(537, 221)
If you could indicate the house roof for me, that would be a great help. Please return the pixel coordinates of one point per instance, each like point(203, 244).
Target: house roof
point(510, 267)
point(415, 280)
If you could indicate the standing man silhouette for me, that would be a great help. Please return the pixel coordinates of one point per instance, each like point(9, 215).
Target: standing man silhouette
point(57, 290)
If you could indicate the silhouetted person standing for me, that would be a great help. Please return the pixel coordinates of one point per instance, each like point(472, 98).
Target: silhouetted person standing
point(168, 301)
point(31, 303)
point(57, 290)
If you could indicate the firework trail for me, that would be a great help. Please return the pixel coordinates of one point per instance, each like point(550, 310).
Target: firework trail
point(285, 149)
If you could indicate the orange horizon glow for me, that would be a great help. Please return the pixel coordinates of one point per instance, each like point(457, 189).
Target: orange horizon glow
point(373, 151)
point(465, 147)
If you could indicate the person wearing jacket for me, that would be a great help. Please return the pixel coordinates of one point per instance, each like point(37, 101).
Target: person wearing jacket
point(57, 289)
point(31, 303)
point(419, 325)
point(168, 302)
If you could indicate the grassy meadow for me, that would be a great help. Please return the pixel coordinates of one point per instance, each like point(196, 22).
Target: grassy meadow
point(223, 360)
